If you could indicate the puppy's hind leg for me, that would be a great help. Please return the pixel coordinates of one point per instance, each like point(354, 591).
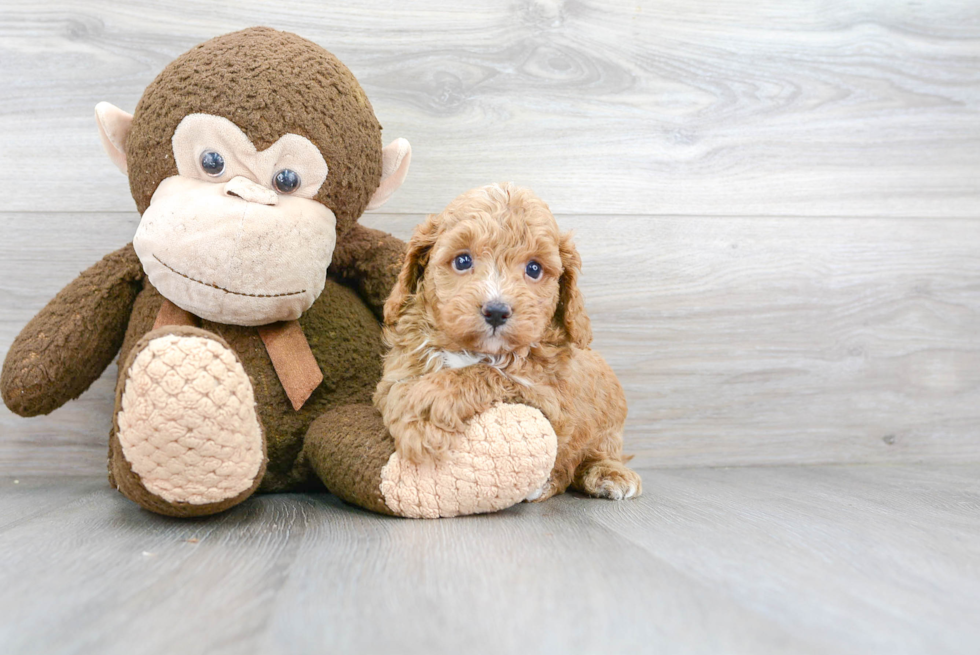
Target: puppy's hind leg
point(607, 478)
point(557, 483)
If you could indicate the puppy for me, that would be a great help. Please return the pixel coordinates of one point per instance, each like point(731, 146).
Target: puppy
point(487, 310)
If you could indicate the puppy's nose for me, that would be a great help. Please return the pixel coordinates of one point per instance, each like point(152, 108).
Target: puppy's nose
point(496, 313)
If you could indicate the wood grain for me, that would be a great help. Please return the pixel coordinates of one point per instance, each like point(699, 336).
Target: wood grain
point(752, 560)
point(868, 108)
point(739, 341)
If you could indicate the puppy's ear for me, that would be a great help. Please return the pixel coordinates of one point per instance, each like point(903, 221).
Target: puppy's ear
point(416, 257)
point(570, 315)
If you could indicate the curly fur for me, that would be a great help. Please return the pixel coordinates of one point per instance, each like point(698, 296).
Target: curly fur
point(446, 363)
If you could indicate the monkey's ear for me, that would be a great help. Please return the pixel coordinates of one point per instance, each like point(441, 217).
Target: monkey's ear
point(395, 158)
point(114, 125)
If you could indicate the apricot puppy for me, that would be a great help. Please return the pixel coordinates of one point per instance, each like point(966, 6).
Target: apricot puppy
point(487, 310)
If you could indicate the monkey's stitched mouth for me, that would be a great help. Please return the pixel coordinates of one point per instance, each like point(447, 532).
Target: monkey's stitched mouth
point(215, 286)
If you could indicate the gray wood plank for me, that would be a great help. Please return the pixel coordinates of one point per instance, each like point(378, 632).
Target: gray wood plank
point(355, 582)
point(39, 254)
point(872, 559)
point(33, 495)
point(744, 341)
point(860, 108)
point(739, 341)
point(752, 560)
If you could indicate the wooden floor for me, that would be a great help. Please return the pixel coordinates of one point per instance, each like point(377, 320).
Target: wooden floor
point(831, 559)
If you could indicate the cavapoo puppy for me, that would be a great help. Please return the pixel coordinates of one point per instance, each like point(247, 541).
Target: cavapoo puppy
point(487, 310)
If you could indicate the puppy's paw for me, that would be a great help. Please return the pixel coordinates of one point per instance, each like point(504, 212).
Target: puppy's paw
point(422, 441)
point(546, 491)
point(609, 479)
point(446, 414)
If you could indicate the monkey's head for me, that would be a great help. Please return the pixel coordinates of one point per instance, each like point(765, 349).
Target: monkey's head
point(249, 157)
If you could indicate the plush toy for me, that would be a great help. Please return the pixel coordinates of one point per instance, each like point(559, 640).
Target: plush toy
point(245, 312)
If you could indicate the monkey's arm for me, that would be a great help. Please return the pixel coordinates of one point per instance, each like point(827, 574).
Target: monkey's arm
point(67, 345)
point(371, 259)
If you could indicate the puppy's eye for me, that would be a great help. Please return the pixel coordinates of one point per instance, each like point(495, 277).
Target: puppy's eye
point(463, 262)
point(213, 163)
point(286, 181)
point(533, 270)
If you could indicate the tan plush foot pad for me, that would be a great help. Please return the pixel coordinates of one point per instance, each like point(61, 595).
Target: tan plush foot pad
point(506, 453)
point(187, 425)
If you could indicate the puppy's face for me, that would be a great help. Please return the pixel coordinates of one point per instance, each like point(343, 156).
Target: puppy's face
point(491, 283)
point(490, 274)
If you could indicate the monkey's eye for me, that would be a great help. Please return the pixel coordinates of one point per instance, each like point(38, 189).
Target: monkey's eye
point(286, 181)
point(463, 262)
point(533, 270)
point(213, 163)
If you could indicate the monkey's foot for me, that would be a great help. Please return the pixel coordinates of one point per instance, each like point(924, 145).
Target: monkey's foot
point(187, 440)
point(506, 453)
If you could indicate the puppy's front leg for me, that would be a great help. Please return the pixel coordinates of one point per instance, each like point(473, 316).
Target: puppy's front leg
point(434, 410)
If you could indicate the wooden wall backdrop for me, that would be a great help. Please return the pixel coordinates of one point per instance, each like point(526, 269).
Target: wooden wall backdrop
point(777, 203)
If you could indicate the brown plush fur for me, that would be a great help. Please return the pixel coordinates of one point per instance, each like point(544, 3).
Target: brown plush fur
point(268, 83)
point(65, 348)
point(348, 447)
point(324, 103)
point(346, 341)
point(539, 356)
point(368, 260)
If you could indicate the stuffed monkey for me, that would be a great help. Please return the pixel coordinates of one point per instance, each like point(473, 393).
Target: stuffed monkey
point(245, 312)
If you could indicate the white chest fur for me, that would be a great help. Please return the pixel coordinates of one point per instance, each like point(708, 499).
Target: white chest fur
point(463, 359)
